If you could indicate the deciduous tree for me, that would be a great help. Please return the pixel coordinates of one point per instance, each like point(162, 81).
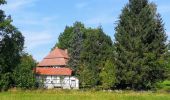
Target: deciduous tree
point(24, 74)
point(11, 46)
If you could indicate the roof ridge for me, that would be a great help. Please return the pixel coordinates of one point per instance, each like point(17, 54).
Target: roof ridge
point(55, 57)
point(57, 53)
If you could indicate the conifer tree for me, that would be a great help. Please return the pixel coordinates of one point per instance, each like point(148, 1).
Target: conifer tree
point(76, 46)
point(86, 76)
point(88, 50)
point(97, 49)
point(64, 38)
point(140, 45)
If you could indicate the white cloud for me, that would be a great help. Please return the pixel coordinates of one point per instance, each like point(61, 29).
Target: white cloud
point(36, 27)
point(28, 21)
point(39, 43)
point(36, 39)
point(16, 5)
point(43, 36)
point(31, 19)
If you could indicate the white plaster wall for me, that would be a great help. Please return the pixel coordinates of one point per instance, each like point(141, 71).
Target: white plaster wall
point(54, 81)
point(74, 82)
point(66, 82)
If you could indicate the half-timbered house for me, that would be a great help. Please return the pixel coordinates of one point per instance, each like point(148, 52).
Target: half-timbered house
point(53, 72)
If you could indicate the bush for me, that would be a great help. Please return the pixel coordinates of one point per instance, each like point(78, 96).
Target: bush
point(164, 86)
point(23, 74)
point(5, 81)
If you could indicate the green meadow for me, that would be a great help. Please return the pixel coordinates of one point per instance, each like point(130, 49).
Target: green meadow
point(82, 95)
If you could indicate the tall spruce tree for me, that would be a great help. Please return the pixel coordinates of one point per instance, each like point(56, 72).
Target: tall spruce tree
point(76, 46)
point(11, 46)
point(140, 45)
point(168, 46)
point(167, 61)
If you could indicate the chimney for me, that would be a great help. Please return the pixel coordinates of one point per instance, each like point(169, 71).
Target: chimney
point(66, 51)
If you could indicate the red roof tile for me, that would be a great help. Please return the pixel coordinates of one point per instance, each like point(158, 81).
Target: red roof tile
point(53, 62)
point(57, 53)
point(54, 58)
point(53, 71)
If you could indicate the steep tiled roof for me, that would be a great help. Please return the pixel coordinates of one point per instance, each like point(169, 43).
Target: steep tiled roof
point(53, 71)
point(57, 57)
point(57, 53)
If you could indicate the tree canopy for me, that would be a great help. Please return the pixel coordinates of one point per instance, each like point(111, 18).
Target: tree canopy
point(140, 46)
point(11, 50)
point(138, 58)
point(24, 73)
point(87, 58)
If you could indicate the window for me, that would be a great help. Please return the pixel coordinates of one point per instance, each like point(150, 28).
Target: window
point(73, 83)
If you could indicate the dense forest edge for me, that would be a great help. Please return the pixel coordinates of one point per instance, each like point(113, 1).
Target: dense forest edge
point(137, 59)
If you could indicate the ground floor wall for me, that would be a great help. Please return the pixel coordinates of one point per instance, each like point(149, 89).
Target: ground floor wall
point(54, 81)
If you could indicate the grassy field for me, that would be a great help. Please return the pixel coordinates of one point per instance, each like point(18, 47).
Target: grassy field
point(81, 95)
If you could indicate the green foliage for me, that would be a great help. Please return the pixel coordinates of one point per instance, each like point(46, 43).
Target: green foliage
point(86, 77)
point(168, 45)
point(64, 38)
point(108, 75)
point(141, 59)
point(11, 46)
point(76, 47)
point(2, 2)
point(167, 64)
point(24, 74)
point(6, 81)
point(164, 86)
point(140, 46)
point(95, 53)
point(88, 50)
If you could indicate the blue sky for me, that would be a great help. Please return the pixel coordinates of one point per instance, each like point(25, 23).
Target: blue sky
point(41, 21)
